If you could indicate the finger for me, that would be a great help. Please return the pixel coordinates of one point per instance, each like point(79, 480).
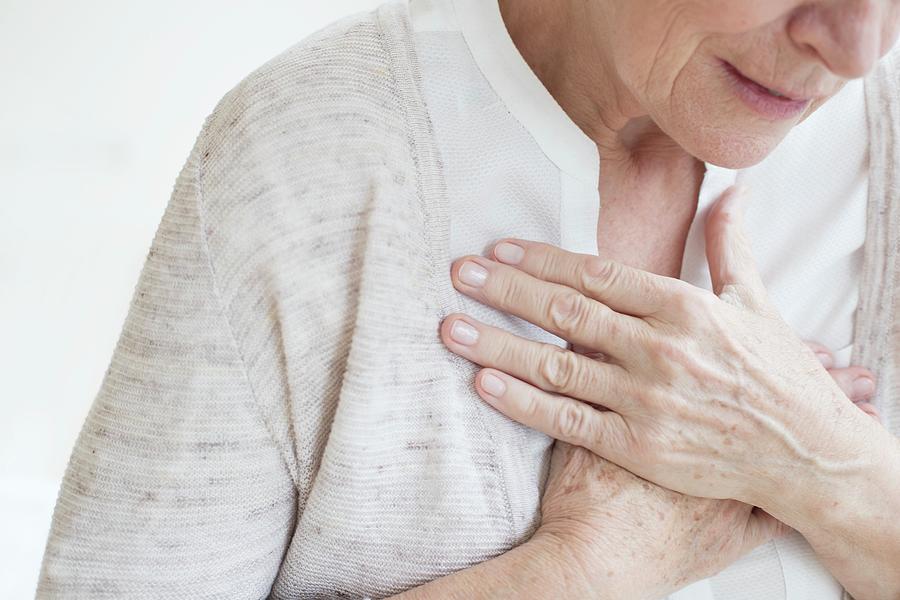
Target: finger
point(625, 289)
point(546, 366)
point(603, 432)
point(590, 353)
point(732, 267)
point(822, 353)
point(870, 410)
point(559, 309)
point(858, 383)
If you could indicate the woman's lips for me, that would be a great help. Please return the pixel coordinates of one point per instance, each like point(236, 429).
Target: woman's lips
point(762, 100)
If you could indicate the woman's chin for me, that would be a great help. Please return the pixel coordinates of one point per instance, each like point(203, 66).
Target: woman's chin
point(723, 134)
point(730, 149)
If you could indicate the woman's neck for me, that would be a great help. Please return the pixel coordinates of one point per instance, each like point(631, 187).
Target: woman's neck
point(575, 66)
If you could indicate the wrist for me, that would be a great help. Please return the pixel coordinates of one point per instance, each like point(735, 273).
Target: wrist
point(542, 567)
point(825, 454)
point(857, 466)
point(561, 560)
point(585, 570)
point(847, 510)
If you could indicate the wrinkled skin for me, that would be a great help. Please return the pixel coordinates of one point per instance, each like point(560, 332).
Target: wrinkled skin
point(611, 61)
point(685, 538)
point(738, 415)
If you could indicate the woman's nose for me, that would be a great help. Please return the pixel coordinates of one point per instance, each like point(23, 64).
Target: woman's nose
point(849, 36)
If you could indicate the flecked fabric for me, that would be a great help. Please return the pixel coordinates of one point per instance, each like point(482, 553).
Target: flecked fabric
point(482, 94)
point(877, 334)
point(279, 417)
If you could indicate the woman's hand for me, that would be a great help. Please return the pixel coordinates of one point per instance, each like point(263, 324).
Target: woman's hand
point(635, 539)
point(606, 516)
point(857, 382)
point(608, 534)
point(710, 393)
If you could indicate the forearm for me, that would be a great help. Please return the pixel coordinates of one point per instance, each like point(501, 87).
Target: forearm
point(543, 567)
point(852, 520)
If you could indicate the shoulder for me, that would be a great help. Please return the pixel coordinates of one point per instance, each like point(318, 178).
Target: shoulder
point(305, 142)
point(327, 106)
point(290, 163)
point(342, 63)
point(302, 142)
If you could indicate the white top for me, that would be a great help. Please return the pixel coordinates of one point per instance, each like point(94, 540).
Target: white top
point(806, 218)
point(280, 418)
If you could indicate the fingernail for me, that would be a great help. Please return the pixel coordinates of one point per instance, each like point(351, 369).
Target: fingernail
point(463, 333)
point(493, 385)
point(863, 387)
point(826, 359)
point(508, 253)
point(472, 274)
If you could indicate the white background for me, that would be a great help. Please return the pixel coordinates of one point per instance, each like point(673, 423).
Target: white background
point(100, 103)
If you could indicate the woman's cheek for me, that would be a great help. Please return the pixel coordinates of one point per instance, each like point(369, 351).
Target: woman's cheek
point(690, 18)
point(702, 114)
point(741, 16)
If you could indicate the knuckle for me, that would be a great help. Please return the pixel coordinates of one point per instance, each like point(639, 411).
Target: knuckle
point(610, 328)
point(566, 311)
point(572, 422)
point(695, 306)
point(669, 358)
point(602, 268)
point(690, 302)
point(599, 273)
point(557, 368)
point(672, 351)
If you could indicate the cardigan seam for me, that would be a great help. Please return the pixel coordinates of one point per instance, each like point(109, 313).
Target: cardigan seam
point(225, 310)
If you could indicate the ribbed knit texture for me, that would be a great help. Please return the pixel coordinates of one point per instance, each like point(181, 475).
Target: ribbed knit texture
point(279, 418)
point(176, 485)
point(280, 415)
point(877, 334)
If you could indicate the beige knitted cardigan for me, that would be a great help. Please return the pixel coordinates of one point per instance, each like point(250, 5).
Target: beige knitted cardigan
point(279, 417)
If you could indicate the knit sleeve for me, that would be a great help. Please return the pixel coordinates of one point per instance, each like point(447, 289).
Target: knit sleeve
point(175, 486)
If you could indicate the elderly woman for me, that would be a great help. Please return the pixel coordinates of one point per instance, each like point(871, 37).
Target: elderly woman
point(290, 409)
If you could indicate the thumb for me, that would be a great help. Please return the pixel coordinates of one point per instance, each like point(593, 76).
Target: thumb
point(732, 268)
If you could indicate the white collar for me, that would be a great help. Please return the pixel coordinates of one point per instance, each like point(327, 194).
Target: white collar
point(528, 100)
point(564, 143)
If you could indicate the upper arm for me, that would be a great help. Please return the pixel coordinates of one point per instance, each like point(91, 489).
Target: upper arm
point(175, 485)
